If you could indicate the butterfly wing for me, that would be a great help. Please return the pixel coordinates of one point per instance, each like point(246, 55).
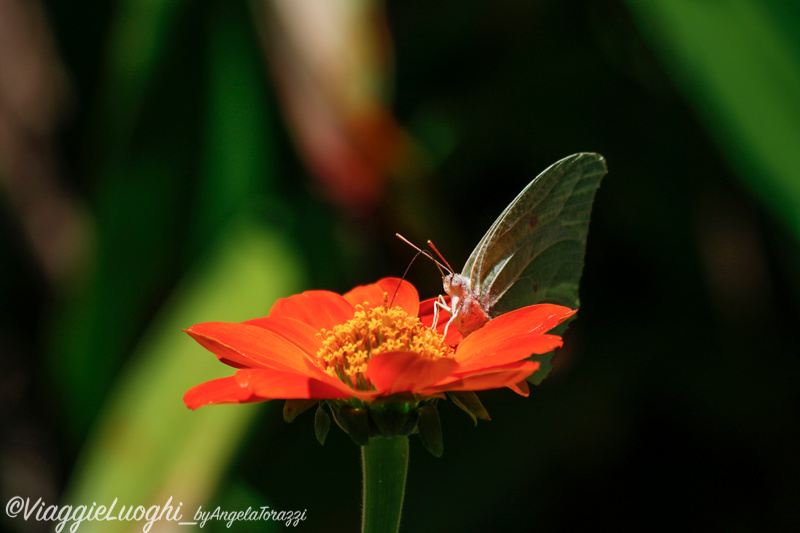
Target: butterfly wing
point(533, 253)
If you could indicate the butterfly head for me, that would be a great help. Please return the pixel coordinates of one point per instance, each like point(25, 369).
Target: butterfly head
point(455, 284)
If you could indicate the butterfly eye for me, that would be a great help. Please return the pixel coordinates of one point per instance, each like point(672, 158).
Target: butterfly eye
point(453, 284)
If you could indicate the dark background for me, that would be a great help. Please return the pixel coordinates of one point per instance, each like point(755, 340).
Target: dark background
point(172, 163)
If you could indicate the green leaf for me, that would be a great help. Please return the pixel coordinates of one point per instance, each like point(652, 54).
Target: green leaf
point(147, 443)
point(136, 48)
point(738, 63)
point(166, 172)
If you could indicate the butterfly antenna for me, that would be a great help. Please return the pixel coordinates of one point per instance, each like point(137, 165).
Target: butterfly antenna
point(427, 254)
point(404, 275)
point(440, 256)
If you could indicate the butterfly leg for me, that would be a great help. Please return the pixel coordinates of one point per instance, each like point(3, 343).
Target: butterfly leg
point(437, 305)
point(440, 304)
point(448, 325)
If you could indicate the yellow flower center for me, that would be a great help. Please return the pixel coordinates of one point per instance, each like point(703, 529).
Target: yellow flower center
point(347, 348)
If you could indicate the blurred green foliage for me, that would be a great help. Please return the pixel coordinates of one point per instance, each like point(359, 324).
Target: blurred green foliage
point(674, 402)
point(738, 63)
point(146, 446)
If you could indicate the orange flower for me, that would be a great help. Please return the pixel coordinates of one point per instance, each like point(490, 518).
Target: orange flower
point(320, 345)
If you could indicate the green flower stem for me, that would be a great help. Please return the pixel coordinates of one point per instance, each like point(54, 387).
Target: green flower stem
point(385, 464)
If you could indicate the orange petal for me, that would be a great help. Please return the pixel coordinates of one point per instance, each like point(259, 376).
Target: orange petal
point(272, 385)
point(222, 390)
point(521, 388)
point(393, 372)
point(532, 319)
point(426, 311)
point(247, 346)
point(400, 293)
point(298, 333)
point(318, 309)
point(507, 376)
point(508, 351)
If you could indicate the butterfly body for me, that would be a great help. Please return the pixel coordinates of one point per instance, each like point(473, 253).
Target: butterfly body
point(533, 253)
point(465, 304)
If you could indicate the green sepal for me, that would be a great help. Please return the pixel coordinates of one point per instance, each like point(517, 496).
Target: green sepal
point(393, 417)
point(430, 430)
point(544, 369)
point(353, 421)
point(469, 403)
point(294, 408)
point(322, 424)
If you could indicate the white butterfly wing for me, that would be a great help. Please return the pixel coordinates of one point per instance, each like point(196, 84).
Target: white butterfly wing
point(533, 253)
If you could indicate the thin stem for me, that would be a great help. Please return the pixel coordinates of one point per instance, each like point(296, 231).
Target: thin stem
point(385, 465)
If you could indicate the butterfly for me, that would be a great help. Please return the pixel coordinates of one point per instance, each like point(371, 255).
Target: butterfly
point(533, 253)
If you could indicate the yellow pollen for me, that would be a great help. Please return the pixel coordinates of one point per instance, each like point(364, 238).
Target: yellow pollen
point(347, 348)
